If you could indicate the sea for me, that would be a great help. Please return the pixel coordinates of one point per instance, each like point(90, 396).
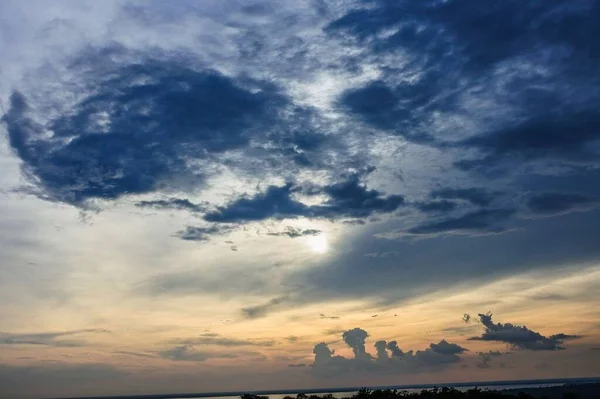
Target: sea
point(349, 391)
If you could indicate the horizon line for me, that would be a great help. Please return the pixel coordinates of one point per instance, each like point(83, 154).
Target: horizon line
point(339, 389)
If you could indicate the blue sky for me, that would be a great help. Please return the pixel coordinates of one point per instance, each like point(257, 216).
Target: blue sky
point(229, 195)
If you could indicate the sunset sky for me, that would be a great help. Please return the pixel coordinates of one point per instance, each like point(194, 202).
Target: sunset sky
point(225, 195)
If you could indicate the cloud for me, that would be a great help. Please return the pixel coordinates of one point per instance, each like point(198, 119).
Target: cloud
point(559, 203)
point(386, 254)
point(437, 356)
point(436, 206)
point(474, 195)
point(255, 312)
point(562, 135)
point(292, 232)
point(140, 127)
point(346, 199)
point(520, 337)
point(393, 347)
point(446, 348)
point(172, 203)
point(484, 221)
point(194, 233)
point(382, 353)
point(218, 340)
point(54, 339)
point(352, 199)
point(438, 60)
point(187, 353)
point(275, 202)
point(389, 357)
point(485, 358)
point(135, 354)
point(389, 108)
point(355, 339)
point(297, 365)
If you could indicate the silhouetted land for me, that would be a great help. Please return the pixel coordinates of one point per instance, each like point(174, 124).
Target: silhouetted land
point(583, 391)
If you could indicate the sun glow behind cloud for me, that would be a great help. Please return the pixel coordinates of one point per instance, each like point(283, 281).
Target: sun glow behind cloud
point(318, 244)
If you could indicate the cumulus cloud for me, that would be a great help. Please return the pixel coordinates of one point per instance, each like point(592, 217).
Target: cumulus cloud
point(382, 353)
point(389, 357)
point(446, 348)
point(520, 337)
point(355, 339)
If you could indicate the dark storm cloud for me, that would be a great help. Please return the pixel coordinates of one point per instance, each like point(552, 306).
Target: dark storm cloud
point(172, 203)
point(56, 339)
point(139, 129)
point(292, 232)
point(485, 221)
point(474, 195)
point(556, 203)
point(520, 337)
point(437, 356)
point(346, 199)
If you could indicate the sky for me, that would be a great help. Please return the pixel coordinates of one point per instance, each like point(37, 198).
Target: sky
point(257, 194)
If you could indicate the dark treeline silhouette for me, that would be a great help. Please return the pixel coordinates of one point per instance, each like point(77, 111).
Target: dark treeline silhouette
point(561, 392)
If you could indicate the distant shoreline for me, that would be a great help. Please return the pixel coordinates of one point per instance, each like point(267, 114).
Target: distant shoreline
point(532, 383)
